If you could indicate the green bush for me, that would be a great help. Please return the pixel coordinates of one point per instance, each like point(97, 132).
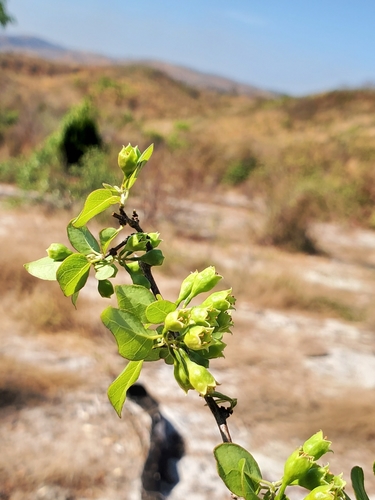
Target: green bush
point(90, 173)
point(79, 133)
point(77, 144)
point(239, 171)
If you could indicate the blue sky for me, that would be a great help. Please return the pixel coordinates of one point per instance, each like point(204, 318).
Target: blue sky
point(292, 46)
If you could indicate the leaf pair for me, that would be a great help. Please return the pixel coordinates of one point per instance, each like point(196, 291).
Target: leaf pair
point(135, 342)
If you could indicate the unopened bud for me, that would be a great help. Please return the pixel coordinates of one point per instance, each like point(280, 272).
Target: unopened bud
point(180, 371)
point(205, 281)
point(186, 287)
point(198, 337)
point(222, 300)
point(316, 446)
point(321, 493)
point(296, 466)
point(58, 252)
point(200, 378)
point(173, 322)
point(128, 158)
point(136, 242)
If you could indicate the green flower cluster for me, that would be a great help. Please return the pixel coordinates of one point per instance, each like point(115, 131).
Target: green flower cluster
point(302, 469)
point(194, 334)
point(187, 337)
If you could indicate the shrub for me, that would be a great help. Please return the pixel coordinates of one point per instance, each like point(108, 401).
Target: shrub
point(239, 171)
point(79, 133)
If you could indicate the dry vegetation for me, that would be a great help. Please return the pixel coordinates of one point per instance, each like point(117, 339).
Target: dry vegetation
point(302, 159)
point(229, 175)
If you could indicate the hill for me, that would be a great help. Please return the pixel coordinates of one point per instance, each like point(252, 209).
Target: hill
point(37, 47)
point(295, 160)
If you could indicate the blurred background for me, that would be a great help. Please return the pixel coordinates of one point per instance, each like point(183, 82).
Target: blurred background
point(262, 116)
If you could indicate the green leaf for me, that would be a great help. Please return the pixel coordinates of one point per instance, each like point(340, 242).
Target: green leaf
point(118, 389)
point(133, 339)
point(146, 155)
point(137, 275)
point(73, 273)
point(44, 269)
point(134, 299)
point(154, 354)
point(106, 236)
point(246, 482)
point(114, 189)
point(105, 289)
point(105, 271)
point(153, 257)
point(238, 469)
point(74, 299)
point(82, 240)
point(358, 482)
point(158, 310)
point(96, 202)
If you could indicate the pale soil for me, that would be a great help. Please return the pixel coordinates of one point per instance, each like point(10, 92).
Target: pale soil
point(293, 372)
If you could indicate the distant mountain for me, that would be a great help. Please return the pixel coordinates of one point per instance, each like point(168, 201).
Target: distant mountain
point(207, 81)
point(37, 47)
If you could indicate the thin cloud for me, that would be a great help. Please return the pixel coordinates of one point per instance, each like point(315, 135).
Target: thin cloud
point(249, 19)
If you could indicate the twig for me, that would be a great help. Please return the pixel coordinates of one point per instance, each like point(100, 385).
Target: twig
point(124, 219)
point(133, 222)
point(220, 415)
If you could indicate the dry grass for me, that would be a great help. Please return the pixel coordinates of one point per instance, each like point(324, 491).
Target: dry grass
point(39, 306)
point(22, 383)
point(312, 157)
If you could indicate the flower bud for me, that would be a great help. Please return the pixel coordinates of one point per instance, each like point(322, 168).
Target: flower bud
point(173, 322)
point(222, 300)
point(186, 286)
point(180, 371)
point(205, 281)
point(198, 316)
point(316, 476)
point(198, 337)
point(316, 446)
point(296, 466)
point(136, 242)
point(200, 378)
point(154, 239)
point(58, 252)
point(128, 158)
point(321, 493)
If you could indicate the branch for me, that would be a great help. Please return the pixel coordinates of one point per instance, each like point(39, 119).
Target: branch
point(133, 222)
point(220, 415)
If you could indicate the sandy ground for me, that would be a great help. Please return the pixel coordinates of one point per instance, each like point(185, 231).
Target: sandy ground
point(293, 372)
